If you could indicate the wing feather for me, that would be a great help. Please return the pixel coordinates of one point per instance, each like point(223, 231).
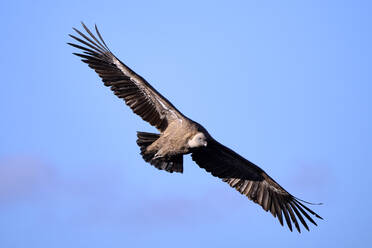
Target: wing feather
point(253, 182)
point(137, 93)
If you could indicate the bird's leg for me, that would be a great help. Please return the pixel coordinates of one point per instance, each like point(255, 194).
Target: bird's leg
point(158, 155)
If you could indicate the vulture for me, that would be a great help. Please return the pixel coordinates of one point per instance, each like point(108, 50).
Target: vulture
point(180, 135)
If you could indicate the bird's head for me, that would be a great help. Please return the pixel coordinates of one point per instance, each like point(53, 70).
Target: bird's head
point(198, 140)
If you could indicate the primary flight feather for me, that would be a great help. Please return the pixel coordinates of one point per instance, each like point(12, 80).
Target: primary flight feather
point(180, 135)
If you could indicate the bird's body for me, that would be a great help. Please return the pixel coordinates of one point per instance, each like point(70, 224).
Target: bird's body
point(180, 135)
point(174, 139)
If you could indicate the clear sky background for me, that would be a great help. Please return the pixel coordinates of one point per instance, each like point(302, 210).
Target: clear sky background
point(287, 84)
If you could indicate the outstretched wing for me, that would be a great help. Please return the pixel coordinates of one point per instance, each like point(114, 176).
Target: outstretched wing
point(138, 94)
point(252, 181)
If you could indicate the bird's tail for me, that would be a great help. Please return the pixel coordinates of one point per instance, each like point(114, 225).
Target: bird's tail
point(170, 164)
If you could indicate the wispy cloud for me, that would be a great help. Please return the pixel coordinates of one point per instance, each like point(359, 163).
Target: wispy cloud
point(22, 176)
point(101, 196)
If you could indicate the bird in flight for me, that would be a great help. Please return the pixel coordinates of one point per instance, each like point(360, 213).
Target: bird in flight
point(180, 135)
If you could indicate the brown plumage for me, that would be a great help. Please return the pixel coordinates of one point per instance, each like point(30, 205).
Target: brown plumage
point(179, 136)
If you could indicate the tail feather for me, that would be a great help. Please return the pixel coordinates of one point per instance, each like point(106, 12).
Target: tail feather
point(170, 164)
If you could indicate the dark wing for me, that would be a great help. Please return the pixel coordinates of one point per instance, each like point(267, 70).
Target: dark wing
point(139, 95)
point(252, 181)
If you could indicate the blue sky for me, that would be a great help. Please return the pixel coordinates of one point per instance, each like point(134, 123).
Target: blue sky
point(287, 84)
